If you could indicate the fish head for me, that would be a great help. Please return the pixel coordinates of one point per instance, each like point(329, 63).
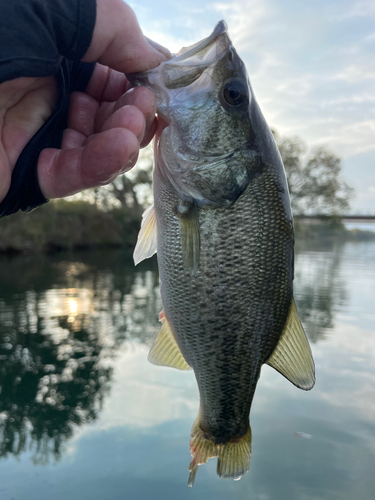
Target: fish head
point(205, 96)
point(206, 148)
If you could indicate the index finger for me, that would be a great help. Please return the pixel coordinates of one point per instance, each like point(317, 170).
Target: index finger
point(118, 41)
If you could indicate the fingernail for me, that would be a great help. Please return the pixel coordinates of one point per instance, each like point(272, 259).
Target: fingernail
point(162, 50)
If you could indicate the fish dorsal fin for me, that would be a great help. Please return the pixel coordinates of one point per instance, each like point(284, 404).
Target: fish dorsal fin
point(189, 235)
point(292, 356)
point(146, 242)
point(165, 351)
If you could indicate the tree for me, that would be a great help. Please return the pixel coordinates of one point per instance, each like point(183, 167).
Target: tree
point(314, 180)
point(133, 189)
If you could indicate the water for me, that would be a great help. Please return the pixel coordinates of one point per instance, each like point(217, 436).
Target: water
point(83, 415)
point(362, 226)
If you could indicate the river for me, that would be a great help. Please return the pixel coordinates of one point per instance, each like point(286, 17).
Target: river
point(83, 415)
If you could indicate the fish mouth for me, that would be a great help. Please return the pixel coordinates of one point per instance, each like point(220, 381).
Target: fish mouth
point(187, 65)
point(186, 52)
point(184, 68)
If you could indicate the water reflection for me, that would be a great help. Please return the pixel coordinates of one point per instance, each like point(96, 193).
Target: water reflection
point(75, 384)
point(57, 335)
point(60, 327)
point(320, 289)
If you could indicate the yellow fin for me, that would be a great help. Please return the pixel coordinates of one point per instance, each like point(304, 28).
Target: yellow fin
point(233, 457)
point(165, 351)
point(189, 234)
point(201, 449)
point(146, 242)
point(292, 356)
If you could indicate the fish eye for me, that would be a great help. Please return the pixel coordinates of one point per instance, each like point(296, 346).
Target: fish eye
point(235, 93)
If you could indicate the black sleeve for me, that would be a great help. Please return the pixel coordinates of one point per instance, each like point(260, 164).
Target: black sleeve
point(36, 34)
point(41, 38)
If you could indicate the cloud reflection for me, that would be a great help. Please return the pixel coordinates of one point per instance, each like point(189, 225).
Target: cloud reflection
point(74, 370)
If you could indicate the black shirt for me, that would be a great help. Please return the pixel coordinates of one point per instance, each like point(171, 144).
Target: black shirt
point(41, 38)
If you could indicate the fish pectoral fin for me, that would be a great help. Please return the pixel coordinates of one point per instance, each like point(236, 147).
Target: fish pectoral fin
point(146, 242)
point(292, 356)
point(165, 351)
point(189, 235)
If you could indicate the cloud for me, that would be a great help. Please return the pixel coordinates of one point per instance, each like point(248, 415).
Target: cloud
point(352, 138)
point(355, 73)
point(365, 97)
point(244, 20)
point(311, 65)
point(359, 8)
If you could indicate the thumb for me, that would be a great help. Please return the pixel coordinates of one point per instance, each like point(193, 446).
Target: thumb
point(118, 41)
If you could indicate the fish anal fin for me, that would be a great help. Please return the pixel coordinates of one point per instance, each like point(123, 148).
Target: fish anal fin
point(146, 242)
point(233, 458)
point(292, 356)
point(165, 351)
point(189, 235)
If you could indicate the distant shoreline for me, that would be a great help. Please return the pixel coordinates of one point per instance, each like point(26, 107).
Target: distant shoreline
point(344, 218)
point(329, 228)
point(77, 225)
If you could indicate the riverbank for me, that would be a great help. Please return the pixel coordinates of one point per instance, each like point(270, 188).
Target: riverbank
point(329, 230)
point(69, 225)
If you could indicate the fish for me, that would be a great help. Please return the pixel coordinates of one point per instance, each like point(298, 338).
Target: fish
point(222, 228)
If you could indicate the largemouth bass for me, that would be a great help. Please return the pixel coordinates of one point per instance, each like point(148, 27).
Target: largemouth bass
point(222, 228)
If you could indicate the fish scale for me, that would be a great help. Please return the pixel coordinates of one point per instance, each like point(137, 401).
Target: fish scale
point(236, 270)
point(222, 228)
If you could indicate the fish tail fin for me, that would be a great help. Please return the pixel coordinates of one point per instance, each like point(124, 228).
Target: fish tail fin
point(233, 457)
point(201, 449)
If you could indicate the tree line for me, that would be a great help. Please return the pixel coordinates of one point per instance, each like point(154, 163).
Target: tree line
point(110, 215)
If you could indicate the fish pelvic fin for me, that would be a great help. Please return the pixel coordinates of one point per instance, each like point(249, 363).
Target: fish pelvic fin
point(146, 242)
point(233, 458)
point(189, 235)
point(165, 351)
point(292, 356)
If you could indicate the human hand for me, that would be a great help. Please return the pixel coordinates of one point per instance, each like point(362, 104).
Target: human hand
point(106, 126)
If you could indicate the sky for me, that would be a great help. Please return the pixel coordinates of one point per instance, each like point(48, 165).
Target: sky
point(311, 65)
